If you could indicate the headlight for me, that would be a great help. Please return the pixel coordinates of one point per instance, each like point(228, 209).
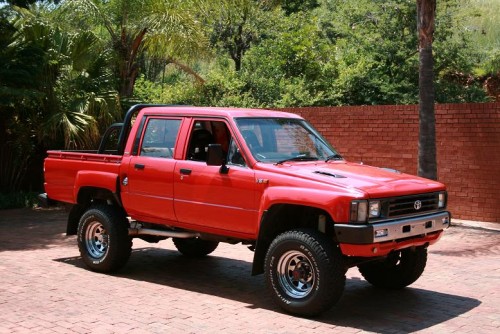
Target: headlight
point(442, 200)
point(359, 211)
point(374, 209)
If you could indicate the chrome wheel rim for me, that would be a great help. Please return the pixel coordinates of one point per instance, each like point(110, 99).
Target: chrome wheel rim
point(296, 274)
point(96, 240)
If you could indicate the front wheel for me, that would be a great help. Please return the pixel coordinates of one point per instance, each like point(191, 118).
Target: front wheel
point(398, 270)
point(103, 239)
point(305, 272)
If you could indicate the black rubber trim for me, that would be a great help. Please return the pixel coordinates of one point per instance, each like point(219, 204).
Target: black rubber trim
point(354, 234)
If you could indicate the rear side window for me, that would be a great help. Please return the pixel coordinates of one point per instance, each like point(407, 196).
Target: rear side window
point(160, 136)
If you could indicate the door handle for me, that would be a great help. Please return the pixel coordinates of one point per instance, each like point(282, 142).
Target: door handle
point(139, 166)
point(185, 171)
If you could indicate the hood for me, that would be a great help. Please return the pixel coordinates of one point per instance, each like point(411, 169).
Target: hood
point(375, 182)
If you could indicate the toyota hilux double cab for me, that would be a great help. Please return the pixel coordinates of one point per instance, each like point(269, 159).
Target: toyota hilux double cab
point(265, 179)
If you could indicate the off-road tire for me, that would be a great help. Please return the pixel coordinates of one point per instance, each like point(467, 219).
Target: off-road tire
point(103, 239)
point(195, 247)
point(305, 272)
point(398, 270)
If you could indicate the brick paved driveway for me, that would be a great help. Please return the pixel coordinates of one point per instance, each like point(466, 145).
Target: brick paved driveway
point(45, 289)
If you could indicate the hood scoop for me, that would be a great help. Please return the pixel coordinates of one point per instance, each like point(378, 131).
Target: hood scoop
point(337, 176)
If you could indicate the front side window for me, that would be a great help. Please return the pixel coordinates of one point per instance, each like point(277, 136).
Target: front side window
point(206, 132)
point(279, 139)
point(160, 137)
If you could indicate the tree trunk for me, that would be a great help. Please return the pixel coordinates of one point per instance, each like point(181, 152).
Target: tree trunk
point(129, 70)
point(427, 163)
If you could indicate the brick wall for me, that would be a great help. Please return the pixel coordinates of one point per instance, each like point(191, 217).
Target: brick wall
point(468, 147)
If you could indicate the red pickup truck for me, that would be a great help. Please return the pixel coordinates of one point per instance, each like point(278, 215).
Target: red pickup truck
point(262, 178)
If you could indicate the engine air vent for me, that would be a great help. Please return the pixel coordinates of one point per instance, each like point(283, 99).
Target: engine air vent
point(337, 176)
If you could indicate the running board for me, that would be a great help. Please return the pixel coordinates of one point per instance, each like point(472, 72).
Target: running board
point(133, 232)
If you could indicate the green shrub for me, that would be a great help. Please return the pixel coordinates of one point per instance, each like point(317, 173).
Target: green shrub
point(18, 200)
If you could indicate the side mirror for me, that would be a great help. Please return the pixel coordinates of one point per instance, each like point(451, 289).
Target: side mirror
point(215, 157)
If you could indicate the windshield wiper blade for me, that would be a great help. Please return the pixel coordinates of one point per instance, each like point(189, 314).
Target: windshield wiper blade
point(335, 156)
point(297, 158)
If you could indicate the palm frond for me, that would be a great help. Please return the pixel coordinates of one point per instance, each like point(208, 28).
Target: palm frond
point(174, 30)
point(76, 128)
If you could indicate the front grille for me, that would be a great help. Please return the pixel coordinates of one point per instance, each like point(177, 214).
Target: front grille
point(405, 205)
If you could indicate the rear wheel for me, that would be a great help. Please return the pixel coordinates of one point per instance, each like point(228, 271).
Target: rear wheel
point(195, 247)
point(398, 270)
point(305, 272)
point(103, 239)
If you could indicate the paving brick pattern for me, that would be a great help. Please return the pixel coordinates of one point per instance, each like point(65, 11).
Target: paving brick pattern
point(44, 288)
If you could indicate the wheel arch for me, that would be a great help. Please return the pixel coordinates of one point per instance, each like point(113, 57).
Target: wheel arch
point(283, 217)
point(88, 195)
point(95, 182)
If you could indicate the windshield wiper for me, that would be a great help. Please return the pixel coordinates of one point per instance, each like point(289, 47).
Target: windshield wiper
point(335, 156)
point(301, 157)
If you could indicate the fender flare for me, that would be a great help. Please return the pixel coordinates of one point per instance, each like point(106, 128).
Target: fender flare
point(329, 201)
point(332, 203)
point(95, 179)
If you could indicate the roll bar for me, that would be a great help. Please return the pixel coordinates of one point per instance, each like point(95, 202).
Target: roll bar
point(127, 123)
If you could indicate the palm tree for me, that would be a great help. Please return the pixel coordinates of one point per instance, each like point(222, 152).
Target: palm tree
point(54, 91)
point(76, 89)
point(427, 164)
point(164, 28)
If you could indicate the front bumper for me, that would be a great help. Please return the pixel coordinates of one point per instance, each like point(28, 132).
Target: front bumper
point(392, 230)
point(369, 239)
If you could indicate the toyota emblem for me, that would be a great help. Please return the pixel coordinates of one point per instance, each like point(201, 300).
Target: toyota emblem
point(417, 205)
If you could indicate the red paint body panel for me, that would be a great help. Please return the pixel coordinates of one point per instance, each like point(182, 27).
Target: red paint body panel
point(62, 170)
point(150, 188)
point(162, 191)
point(96, 179)
point(220, 201)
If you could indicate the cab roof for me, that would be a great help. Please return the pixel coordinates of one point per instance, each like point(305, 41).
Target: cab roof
point(215, 111)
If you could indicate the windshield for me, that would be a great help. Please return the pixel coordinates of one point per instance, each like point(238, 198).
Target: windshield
point(276, 140)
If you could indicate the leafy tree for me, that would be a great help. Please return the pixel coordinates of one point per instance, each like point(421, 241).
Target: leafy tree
point(164, 28)
point(295, 6)
point(20, 3)
point(18, 94)
point(56, 91)
point(378, 61)
point(236, 25)
point(77, 88)
point(293, 66)
point(339, 53)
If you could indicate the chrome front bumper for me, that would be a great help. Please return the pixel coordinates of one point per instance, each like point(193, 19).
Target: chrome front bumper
point(392, 230)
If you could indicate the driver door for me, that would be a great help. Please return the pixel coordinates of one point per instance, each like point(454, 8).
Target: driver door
point(220, 203)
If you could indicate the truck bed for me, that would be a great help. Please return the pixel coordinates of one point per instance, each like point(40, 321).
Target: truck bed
point(65, 170)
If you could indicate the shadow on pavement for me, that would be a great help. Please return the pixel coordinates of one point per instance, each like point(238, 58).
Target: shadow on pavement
point(402, 311)
point(362, 306)
point(27, 229)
